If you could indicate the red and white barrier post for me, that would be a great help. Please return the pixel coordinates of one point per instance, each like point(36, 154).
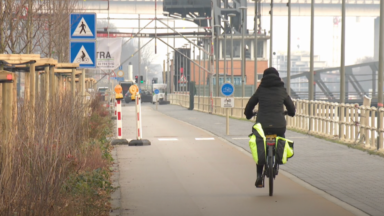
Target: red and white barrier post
point(139, 126)
point(119, 120)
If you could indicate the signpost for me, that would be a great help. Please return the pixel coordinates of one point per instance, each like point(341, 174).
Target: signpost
point(157, 91)
point(227, 89)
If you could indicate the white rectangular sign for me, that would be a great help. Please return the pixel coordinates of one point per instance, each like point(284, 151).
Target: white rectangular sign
point(109, 53)
point(228, 102)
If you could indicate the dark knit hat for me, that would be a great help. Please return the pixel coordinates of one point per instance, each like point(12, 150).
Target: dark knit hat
point(270, 71)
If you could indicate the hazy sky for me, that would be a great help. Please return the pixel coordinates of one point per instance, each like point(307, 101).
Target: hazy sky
point(359, 36)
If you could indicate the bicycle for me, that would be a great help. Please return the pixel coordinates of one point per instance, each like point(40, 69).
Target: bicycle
point(271, 168)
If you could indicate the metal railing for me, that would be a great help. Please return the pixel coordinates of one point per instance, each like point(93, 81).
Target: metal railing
point(358, 124)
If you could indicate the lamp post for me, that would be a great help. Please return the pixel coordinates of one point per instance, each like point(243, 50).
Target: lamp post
point(232, 76)
point(243, 49)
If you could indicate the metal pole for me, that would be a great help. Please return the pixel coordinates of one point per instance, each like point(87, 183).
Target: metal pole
point(381, 71)
point(342, 59)
point(168, 74)
point(194, 58)
point(139, 77)
point(198, 102)
point(311, 75)
point(178, 73)
point(232, 75)
point(211, 67)
point(271, 34)
point(174, 58)
point(242, 53)
point(217, 62)
point(256, 78)
point(225, 56)
point(289, 50)
point(184, 70)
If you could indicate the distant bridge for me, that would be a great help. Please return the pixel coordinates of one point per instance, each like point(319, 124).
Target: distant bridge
point(361, 80)
point(299, 7)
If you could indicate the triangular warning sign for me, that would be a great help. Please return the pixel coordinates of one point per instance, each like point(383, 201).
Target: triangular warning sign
point(113, 74)
point(83, 57)
point(183, 79)
point(82, 29)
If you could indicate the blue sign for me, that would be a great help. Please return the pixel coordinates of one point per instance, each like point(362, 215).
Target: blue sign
point(121, 67)
point(157, 91)
point(83, 53)
point(82, 26)
point(120, 79)
point(227, 89)
point(140, 91)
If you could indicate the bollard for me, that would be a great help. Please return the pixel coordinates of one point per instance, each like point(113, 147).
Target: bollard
point(119, 122)
point(139, 129)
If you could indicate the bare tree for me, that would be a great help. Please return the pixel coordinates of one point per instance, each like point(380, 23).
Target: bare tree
point(36, 26)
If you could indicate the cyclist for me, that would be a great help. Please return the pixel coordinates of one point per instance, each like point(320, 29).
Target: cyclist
point(271, 97)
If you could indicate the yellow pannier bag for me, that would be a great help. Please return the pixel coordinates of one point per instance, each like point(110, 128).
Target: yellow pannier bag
point(284, 150)
point(257, 144)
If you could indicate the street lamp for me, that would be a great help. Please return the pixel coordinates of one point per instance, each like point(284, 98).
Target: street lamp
point(243, 27)
point(232, 76)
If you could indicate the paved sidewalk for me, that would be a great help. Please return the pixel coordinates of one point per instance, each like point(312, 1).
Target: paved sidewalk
point(350, 175)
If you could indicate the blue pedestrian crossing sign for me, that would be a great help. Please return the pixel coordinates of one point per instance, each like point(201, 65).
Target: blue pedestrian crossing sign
point(83, 26)
point(84, 53)
point(227, 89)
point(157, 91)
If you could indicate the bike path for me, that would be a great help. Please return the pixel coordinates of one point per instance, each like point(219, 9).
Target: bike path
point(189, 171)
point(349, 175)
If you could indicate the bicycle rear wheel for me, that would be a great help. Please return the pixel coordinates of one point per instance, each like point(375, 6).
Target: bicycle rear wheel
point(270, 169)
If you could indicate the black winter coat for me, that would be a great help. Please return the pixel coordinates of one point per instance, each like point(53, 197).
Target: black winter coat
point(271, 96)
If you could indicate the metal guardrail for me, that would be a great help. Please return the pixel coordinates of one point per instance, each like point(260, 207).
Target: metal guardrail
point(358, 124)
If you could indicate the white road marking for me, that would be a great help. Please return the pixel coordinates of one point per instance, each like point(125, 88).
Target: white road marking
point(242, 138)
point(209, 138)
point(167, 139)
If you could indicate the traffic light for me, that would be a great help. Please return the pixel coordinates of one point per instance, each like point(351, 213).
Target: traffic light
point(141, 79)
point(137, 79)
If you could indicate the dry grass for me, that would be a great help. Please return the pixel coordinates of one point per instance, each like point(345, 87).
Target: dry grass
point(56, 163)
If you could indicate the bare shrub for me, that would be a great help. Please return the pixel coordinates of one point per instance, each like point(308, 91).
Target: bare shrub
point(50, 163)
